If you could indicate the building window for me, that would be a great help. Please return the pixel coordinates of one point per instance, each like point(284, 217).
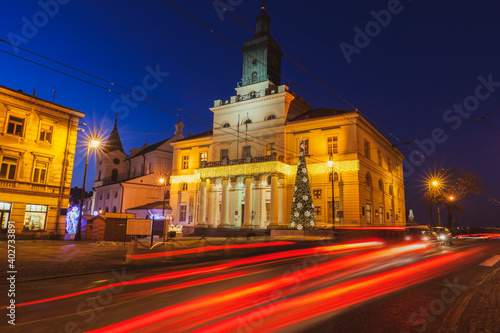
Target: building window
point(269, 149)
point(35, 217)
point(389, 164)
point(363, 210)
point(224, 154)
point(106, 210)
point(317, 194)
point(368, 213)
point(381, 214)
point(184, 186)
point(317, 210)
point(335, 177)
point(246, 151)
point(40, 172)
point(114, 209)
point(5, 214)
point(116, 194)
point(107, 195)
point(115, 161)
point(247, 121)
point(381, 185)
point(330, 210)
point(306, 146)
point(271, 117)
point(333, 147)
point(254, 77)
point(268, 211)
point(368, 179)
point(185, 161)
point(225, 125)
point(391, 191)
point(15, 126)
point(100, 174)
point(203, 157)
point(253, 94)
point(114, 175)
point(367, 148)
point(100, 196)
point(8, 168)
point(133, 172)
point(379, 157)
point(46, 133)
point(183, 213)
point(149, 168)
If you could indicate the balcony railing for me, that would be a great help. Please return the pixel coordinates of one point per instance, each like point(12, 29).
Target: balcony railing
point(253, 80)
point(250, 159)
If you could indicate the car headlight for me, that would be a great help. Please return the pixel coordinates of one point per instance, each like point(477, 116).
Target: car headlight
point(407, 238)
point(425, 238)
point(442, 237)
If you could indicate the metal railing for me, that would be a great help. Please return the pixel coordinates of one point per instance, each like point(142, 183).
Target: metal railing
point(250, 159)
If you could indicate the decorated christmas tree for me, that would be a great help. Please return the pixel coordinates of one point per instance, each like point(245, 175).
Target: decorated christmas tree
point(303, 215)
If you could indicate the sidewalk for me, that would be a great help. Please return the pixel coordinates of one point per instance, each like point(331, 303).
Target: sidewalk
point(38, 259)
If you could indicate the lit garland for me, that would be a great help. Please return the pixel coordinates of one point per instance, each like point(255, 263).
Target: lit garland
point(262, 168)
point(72, 219)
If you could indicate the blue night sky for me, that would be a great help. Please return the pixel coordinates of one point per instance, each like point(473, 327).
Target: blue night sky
point(405, 77)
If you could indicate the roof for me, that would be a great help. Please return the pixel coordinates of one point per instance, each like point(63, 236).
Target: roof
point(197, 136)
point(153, 205)
point(150, 148)
point(319, 113)
point(114, 142)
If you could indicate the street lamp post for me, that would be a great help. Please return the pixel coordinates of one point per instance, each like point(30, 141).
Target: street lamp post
point(93, 143)
point(330, 164)
point(163, 182)
point(432, 188)
point(450, 215)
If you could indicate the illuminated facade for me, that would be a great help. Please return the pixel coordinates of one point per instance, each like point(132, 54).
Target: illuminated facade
point(241, 174)
point(37, 148)
point(126, 183)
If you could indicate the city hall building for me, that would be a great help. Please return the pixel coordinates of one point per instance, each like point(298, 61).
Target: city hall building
point(241, 174)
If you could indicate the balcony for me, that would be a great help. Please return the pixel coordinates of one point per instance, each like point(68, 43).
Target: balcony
point(256, 159)
point(253, 80)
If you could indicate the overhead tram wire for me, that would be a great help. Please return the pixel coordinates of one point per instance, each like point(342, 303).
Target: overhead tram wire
point(283, 149)
point(311, 74)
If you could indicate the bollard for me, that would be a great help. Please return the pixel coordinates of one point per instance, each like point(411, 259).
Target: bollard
point(132, 246)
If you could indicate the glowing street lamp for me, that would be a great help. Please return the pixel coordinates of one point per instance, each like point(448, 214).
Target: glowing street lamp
point(92, 143)
point(163, 182)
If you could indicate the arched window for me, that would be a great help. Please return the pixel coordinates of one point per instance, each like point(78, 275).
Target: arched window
point(271, 117)
point(114, 209)
point(224, 125)
point(254, 77)
point(391, 191)
point(253, 94)
point(381, 185)
point(335, 177)
point(116, 194)
point(107, 195)
point(100, 173)
point(368, 179)
point(247, 121)
point(106, 210)
point(114, 175)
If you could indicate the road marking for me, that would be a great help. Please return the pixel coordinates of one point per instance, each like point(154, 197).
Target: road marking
point(490, 262)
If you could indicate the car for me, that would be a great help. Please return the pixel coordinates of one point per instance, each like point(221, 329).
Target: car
point(418, 233)
point(441, 235)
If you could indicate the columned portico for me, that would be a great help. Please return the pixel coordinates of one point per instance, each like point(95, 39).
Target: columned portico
point(223, 218)
point(203, 201)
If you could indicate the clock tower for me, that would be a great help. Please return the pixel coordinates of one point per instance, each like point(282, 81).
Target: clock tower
point(262, 55)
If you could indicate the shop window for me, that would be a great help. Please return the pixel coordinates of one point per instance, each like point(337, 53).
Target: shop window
point(35, 217)
point(5, 208)
point(40, 172)
point(15, 126)
point(46, 133)
point(8, 168)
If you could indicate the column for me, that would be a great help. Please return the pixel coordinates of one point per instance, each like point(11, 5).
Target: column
point(248, 201)
point(223, 218)
point(274, 201)
point(203, 200)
